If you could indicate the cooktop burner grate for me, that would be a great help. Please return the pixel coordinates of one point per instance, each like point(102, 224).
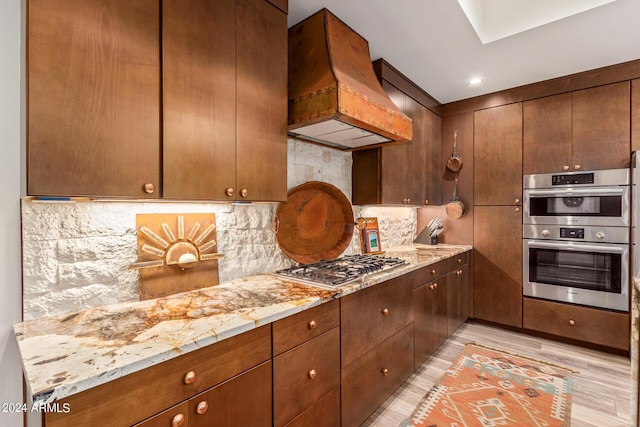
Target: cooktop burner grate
point(337, 272)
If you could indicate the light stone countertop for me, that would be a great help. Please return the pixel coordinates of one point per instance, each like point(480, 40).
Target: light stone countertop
point(67, 354)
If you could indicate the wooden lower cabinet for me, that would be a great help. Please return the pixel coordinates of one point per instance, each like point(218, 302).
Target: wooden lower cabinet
point(242, 401)
point(304, 375)
point(145, 393)
point(497, 264)
point(325, 413)
point(595, 326)
point(457, 298)
point(372, 378)
point(429, 318)
point(372, 315)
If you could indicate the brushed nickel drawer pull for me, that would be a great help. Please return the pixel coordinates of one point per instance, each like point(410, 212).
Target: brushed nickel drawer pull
point(190, 377)
point(177, 421)
point(202, 407)
point(312, 324)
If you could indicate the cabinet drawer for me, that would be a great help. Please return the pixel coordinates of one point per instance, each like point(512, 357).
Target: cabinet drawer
point(294, 330)
point(244, 400)
point(371, 379)
point(142, 394)
point(172, 417)
point(457, 261)
point(325, 413)
point(591, 325)
point(370, 316)
point(304, 375)
point(432, 272)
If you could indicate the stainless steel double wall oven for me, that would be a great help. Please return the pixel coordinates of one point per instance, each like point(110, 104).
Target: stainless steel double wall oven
point(576, 230)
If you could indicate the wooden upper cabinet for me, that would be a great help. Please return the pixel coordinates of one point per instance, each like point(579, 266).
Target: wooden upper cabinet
point(601, 138)
point(402, 174)
point(547, 134)
point(199, 93)
point(583, 130)
point(225, 100)
point(497, 169)
point(635, 115)
point(96, 123)
point(93, 96)
point(261, 132)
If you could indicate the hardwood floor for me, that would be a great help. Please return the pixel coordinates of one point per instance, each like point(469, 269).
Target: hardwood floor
point(601, 388)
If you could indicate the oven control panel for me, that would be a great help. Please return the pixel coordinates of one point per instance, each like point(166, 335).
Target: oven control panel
point(577, 178)
point(571, 233)
point(596, 234)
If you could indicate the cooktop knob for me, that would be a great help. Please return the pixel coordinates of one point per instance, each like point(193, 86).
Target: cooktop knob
point(545, 233)
point(600, 235)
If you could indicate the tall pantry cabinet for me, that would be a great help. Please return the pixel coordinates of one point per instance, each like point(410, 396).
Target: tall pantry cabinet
point(183, 99)
point(497, 216)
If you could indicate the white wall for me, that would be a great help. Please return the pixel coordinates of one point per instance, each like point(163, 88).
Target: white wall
point(10, 192)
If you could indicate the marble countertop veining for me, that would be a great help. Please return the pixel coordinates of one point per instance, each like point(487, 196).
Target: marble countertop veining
point(67, 354)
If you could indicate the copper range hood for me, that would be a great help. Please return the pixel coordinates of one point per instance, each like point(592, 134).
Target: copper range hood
point(334, 96)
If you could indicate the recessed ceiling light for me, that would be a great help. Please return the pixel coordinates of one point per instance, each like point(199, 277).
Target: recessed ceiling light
point(475, 81)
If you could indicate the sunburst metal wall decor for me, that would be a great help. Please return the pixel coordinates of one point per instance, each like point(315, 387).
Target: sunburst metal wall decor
point(173, 253)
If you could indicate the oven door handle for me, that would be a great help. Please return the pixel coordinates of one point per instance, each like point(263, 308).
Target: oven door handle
point(569, 192)
point(571, 246)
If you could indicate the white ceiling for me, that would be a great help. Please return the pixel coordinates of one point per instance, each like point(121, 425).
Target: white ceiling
point(433, 43)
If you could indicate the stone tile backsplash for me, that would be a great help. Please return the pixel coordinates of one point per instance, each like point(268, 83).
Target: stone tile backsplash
point(76, 255)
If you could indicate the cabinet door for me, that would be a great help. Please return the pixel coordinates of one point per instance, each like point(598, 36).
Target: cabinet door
point(261, 35)
point(457, 298)
point(244, 400)
point(497, 169)
point(429, 318)
point(547, 134)
point(93, 115)
point(497, 264)
point(635, 115)
point(199, 98)
point(403, 166)
point(601, 138)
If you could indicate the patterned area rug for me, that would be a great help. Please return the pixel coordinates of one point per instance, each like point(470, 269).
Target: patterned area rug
point(486, 387)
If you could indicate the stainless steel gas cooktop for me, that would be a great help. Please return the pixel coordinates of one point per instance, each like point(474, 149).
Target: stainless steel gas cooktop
point(341, 271)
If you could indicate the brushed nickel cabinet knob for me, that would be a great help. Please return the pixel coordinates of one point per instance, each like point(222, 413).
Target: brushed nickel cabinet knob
point(189, 377)
point(244, 192)
point(516, 201)
point(149, 188)
point(202, 407)
point(312, 374)
point(577, 167)
point(433, 271)
point(426, 202)
point(177, 421)
point(565, 167)
point(572, 322)
point(229, 192)
point(312, 324)
point(516, 210)
point(459, 272)
point(385, 311)
point(385, 372)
